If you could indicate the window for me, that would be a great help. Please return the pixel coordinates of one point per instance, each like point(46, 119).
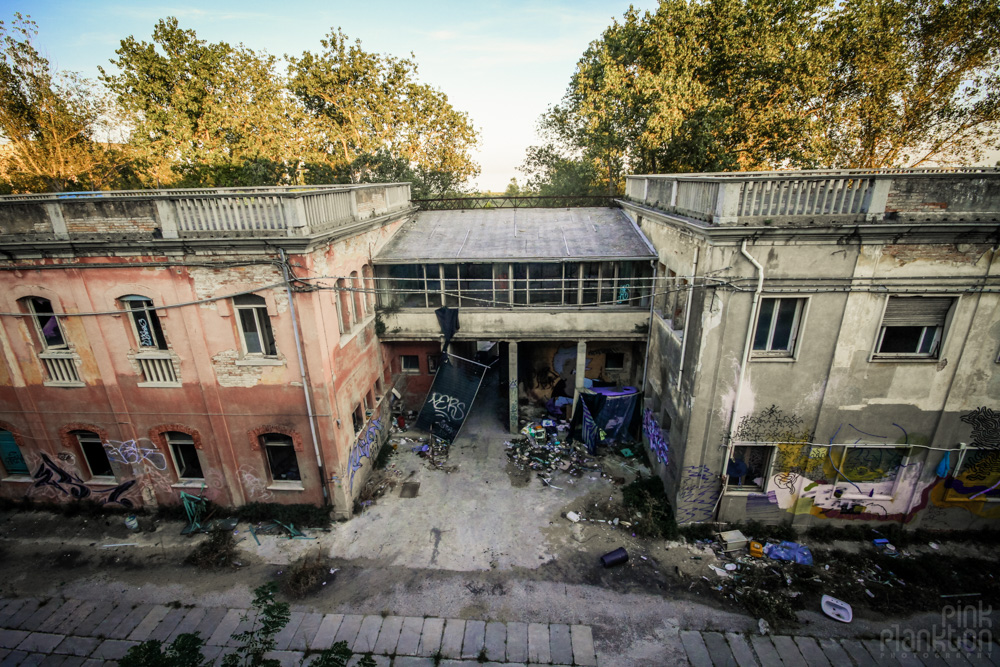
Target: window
point(46, 324)
point(281, 457)
point(432, 363)
point(359, 296)
point(13, 461)
point(344, 304)
point(912, 326)
point(614, 361)
point(747, 470)
point(255, 325)
point(145, 323)
point(358, 418)
point(369, 295)
point(185, 455)
point(777, 327)
point(94, 454)
point(410, 363)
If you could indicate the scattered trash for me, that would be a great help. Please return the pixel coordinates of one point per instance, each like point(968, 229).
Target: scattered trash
point(132, 523)
point(756, 549)
point(719, 571)
point(130, 544)
point(870, 594)
point(732, 540)
point(763, 626)
point(961, 595)
point(731, 567)
point(616, 557)
point(933, 545)
point(573, 516)
point(836, 609)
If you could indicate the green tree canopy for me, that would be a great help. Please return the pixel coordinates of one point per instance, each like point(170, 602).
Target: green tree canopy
point(366, 103)
point(56, 125)
point(724, 85)
point(206, 114)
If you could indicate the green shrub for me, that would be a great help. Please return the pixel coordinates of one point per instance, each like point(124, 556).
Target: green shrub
point(185, 651)
point(651, 514)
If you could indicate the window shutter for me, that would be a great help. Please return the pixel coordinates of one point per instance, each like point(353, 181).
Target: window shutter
point(916, 311)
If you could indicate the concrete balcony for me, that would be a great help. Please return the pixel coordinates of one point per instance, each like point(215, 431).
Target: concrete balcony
point(268, 212)
point(969, 194)
point(611, 323)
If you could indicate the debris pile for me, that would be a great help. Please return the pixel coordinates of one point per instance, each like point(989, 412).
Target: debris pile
point(547, 455)
point(434, 450)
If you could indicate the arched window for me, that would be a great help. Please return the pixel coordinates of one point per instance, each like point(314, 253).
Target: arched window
point(344, 300)
point(13, 460)
point(187, 463)
point(47, 326)
point(94, 454)
point(255, 325)
point(145, 323)
point(281, 460)
point(366, 273)
point(359, 296)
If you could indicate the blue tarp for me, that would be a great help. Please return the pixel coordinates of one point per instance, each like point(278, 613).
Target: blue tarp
point(790, 551)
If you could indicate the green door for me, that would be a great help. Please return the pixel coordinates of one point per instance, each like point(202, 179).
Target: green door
point(13, 462)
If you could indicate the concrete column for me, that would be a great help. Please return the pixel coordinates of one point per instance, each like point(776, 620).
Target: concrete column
point(512, 384)
point(581, 372)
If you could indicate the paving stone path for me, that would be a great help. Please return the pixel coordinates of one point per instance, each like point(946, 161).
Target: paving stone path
point(68, 633)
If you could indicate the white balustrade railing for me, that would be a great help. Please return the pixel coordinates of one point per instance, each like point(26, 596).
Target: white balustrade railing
point(864, 194)
point(220, 212)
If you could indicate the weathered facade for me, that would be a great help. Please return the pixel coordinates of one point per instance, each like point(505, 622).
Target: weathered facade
point(824, 345)
point(160, 342)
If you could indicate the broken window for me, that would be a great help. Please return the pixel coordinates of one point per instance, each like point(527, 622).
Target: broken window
point(185, 455)
point(609, 275)
point(777, 327)
point(572, 287)
point(477, 285)
point(912, 326)
point(503, 288)
point(545, 283)
point(614, 361)
point(358, 418)
point(145, 323)
point(591, 283)
point(451, 287)
point(405, 286)
point(46, 324)
point(748, 468)
point(94, 454)
point(281, 459)
point(255, 325)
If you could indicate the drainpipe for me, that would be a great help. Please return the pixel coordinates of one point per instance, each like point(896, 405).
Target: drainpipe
point(302, 371)
point(743, 370)
point(687, 318)
point(649, 331)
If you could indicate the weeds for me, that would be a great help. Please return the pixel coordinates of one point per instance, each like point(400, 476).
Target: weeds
point(185, 651)
point(307, 575)
point(651, 514)
point(217, 552)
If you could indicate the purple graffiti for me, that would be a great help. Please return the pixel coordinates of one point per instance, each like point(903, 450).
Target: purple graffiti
point(363, 448)
point(657, 443)
point(50, 474)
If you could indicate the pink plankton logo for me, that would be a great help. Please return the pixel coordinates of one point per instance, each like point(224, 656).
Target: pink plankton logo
point(964, 630)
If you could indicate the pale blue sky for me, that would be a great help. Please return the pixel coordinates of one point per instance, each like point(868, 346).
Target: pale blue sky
point(503, 63)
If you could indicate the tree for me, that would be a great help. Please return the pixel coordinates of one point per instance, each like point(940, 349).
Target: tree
point(369, 105)
point(915, 81)
point(208, 114)
point(53, 122)
point(736, 85)
point(269, 617)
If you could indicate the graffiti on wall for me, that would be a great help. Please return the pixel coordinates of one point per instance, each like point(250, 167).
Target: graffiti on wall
point(699, 491)
point(131, 453)
point(254, 484)
point(985, 427)
point(366, 446)
point(51, 476)
point(658, 444)
point(771, 425)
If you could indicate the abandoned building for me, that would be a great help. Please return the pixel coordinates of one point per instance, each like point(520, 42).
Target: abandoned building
point(810, 346)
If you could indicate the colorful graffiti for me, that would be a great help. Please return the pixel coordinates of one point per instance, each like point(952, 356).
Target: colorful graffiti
point(366, 446)
point(50, 475)
point(657, 443)
point(699, 491)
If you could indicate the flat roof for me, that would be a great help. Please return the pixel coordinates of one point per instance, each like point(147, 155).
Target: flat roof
point(523, 234)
